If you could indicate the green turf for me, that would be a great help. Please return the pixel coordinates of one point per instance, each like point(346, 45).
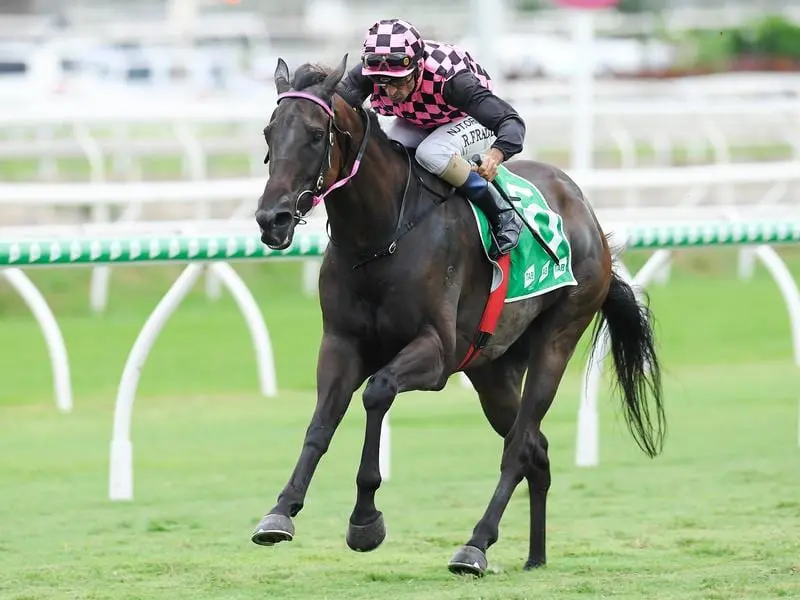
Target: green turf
point(717, 516)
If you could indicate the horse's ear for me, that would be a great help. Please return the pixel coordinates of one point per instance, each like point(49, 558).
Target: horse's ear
point(335, 76)
point(282, 77)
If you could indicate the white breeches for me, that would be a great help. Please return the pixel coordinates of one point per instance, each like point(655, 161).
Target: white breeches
point(464, 137)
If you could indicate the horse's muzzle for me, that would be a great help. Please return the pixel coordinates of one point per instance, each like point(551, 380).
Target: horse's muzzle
point(276, 227)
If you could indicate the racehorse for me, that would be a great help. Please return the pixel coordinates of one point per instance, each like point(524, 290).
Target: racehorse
point(402, 288)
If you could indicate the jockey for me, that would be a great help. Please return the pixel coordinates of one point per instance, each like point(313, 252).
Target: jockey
point(444, 107)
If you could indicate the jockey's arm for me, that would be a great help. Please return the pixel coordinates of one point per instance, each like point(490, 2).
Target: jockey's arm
point(355, 87)
point(465, 92)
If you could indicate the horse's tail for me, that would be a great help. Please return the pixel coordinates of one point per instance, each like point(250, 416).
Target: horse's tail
point(635, 362)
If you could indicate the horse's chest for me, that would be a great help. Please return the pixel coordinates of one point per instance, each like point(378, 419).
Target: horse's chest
point(391, 324)
point(386, 308)
point(396, 318)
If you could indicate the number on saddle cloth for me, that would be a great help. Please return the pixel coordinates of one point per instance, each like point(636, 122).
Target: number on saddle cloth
point(476, 159)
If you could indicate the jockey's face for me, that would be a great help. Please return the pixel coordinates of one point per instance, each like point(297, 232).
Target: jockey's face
point(400, 88)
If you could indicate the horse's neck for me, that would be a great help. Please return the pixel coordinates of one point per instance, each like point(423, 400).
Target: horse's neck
point(364, 212)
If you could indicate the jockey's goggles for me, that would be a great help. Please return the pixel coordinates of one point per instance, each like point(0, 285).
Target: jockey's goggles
point(398, 61)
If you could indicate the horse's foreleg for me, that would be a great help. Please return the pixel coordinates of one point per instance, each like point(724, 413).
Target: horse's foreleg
point(340, 372)
point(419, 365)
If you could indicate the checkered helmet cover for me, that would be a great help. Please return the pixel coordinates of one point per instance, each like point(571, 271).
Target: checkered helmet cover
point(394, 35)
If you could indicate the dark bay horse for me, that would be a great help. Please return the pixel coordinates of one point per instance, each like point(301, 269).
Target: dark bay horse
point(402, 288)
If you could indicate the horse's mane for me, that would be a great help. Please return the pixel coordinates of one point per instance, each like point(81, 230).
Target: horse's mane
point(309, 75)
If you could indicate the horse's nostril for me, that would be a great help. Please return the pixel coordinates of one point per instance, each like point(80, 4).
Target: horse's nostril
point(262, 218)
point(283, 219)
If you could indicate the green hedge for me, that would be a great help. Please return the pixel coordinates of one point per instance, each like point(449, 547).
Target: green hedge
point(770, 37)
point(625, 6)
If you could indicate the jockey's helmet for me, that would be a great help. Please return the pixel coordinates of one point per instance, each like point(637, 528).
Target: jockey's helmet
point(392, 49)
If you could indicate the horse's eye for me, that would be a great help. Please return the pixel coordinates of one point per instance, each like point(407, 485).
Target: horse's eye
point(317, 134)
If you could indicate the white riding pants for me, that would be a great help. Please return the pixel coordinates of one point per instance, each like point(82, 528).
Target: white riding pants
point(464, 137)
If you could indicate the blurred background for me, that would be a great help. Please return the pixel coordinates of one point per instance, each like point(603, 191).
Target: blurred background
point(673, 83)
point(124, 118)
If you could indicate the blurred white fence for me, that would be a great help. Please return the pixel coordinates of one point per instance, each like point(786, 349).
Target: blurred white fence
point(694, 125)
point(706, 129)
point(716, 112)
point(643, 130)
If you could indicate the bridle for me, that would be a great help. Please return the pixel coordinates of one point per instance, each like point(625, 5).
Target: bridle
point(402, 227)
point(325, 163)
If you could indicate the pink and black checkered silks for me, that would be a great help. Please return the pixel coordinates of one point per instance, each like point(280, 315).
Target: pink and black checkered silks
point(426, 107)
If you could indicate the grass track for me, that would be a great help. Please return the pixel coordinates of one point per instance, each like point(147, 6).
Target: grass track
point(717, 516)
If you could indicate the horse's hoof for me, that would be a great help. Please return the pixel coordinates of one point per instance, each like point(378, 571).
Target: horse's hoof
point(531, 564)
point(468, 560)
point(272, 529)
point(365, 538)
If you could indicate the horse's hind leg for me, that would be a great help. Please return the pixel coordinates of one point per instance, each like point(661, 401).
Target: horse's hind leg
point(498, 385)
point(538, 476)
point(554, 335)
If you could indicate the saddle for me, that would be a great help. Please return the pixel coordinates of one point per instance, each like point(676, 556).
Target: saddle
point(432, 182)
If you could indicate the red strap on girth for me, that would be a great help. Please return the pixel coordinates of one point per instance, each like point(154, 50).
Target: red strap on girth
point(491, 314)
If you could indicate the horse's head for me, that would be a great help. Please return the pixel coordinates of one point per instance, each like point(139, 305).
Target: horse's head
point(303, 152)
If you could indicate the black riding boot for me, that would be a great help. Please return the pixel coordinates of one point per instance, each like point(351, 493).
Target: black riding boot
point(505, 222)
